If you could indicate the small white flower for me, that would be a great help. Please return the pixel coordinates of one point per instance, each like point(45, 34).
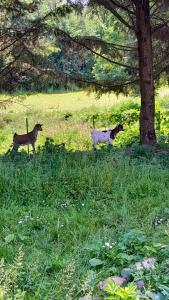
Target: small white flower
point(107, 244)
point(26, 217)
point(82, 204)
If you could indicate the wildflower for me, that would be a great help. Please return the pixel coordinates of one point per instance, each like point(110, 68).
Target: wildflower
point(25, 219)
point(147, 263)
point(107, 244)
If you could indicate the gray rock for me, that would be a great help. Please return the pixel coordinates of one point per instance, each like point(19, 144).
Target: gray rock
point(126, 273)
point(155, 296)
point(139, 284)
point(119, 280)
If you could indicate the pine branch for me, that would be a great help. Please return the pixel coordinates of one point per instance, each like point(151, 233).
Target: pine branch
point(110, 6)
point(7, 67)
point(8, 46)
point(105, 83)
point(163, 58)
point(123, 7)
point(16, 99)
point(75, 40)
point(36, 25)
point(165, 23)
point(99, 42)
point(100, 84)
point(163, 69)
point(156, 7)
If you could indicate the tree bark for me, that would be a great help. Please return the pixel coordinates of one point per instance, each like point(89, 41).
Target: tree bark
point(144, 38)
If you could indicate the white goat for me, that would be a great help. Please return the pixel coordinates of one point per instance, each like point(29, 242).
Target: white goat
point(99, 136)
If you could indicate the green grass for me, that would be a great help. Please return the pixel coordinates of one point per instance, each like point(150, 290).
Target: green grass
point(50, 110)
point(70, 101)
point(64, 204)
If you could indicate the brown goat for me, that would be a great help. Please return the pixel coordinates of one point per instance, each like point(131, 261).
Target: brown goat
point(26, 139)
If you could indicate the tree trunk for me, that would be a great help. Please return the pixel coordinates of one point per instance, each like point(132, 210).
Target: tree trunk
point(147, 114)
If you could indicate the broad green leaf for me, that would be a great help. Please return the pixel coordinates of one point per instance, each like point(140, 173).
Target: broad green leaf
point(9, 238)
point(94, 262)
point(156, 296)
point(22, 237)
point(164, 289)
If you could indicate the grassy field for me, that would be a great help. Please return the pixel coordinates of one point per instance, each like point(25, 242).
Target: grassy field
point(63, 207)
point(70, 101)
point(51, 109)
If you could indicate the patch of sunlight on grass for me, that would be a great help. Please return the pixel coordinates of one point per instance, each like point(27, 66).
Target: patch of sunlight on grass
point(163, 91)
point(71, 101)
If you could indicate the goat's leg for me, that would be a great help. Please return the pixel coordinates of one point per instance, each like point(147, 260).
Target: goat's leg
point(94, 146)
point(15, 147)
point(33, 146)
point(94, 143)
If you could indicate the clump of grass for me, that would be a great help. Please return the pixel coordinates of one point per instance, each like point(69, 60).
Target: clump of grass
point(9, 278)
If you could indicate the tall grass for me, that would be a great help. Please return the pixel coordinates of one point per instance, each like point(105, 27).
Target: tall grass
point(66, 202)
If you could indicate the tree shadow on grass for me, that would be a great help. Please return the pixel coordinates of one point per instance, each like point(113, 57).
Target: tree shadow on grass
point(154, 155)
point(48, 148)
point(51, 151)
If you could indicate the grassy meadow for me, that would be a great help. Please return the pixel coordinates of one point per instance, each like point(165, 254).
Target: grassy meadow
point(51, 110)
point(68, 204)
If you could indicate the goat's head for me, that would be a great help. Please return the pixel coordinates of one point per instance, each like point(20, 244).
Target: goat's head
point(120, 127)
point(38, 127)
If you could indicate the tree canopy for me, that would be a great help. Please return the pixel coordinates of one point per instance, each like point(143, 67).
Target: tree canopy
point(110, 45)
point(101, 31)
